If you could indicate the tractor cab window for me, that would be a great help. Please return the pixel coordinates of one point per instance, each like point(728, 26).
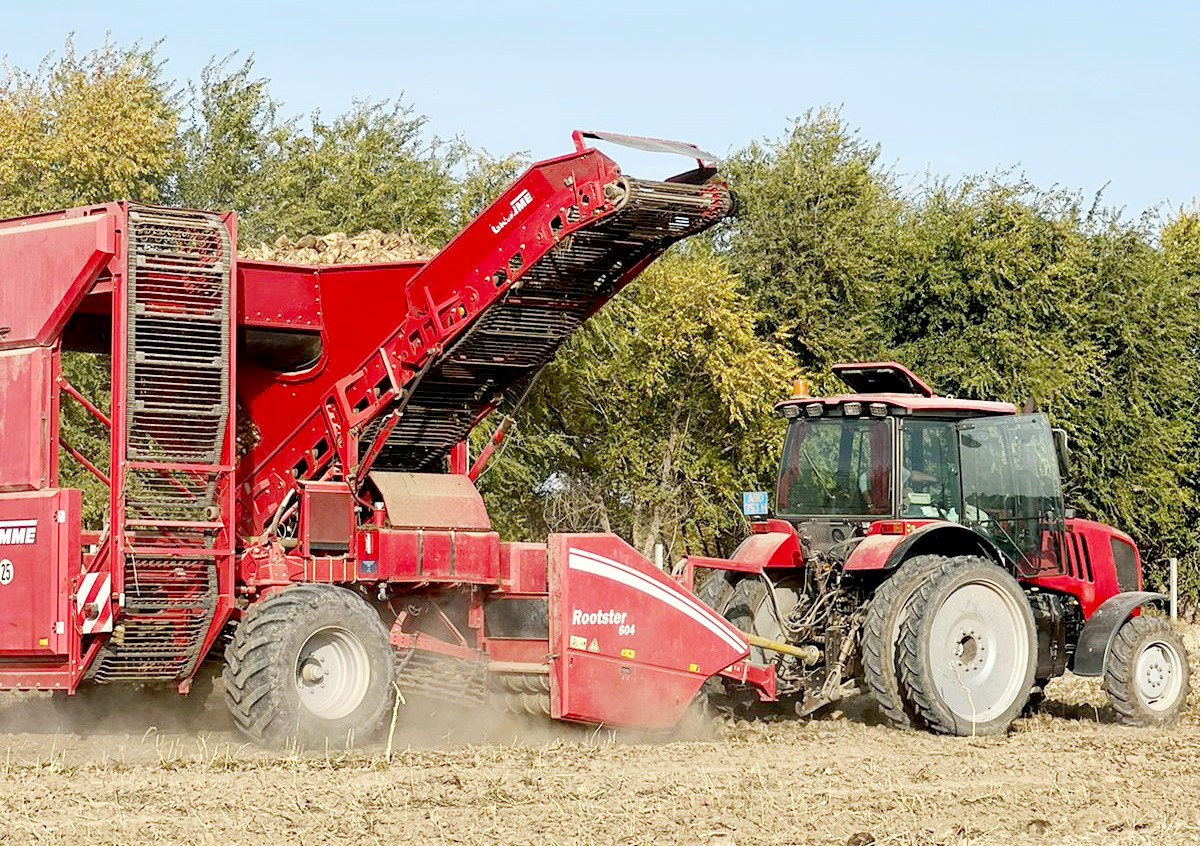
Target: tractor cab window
point(930, 474)
point(1012, 486)
point(836, 466)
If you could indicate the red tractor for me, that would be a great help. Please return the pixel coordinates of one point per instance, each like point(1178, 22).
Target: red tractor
point(920, 547)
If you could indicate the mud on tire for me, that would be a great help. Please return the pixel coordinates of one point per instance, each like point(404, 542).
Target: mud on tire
point(312, 665)
point(967, 649)
point(1147, 674)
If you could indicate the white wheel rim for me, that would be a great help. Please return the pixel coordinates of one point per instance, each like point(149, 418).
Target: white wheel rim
point(980, 650)
point(332, 673)
point(1158, 675)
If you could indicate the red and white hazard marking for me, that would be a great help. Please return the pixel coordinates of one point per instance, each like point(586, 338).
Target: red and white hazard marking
point(92, 601)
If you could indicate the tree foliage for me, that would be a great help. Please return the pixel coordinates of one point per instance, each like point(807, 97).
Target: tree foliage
point(653, 418)
point(86, 129)
point(658, 412)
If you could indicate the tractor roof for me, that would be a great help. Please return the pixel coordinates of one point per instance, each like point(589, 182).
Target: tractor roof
point(897, 386)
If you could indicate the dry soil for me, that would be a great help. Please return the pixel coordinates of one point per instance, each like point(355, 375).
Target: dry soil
point(1066, 775)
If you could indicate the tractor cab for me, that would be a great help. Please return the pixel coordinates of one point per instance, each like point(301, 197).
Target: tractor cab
point(900, 454)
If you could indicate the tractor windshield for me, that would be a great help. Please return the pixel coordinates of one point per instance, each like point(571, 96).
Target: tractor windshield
point(836, 466)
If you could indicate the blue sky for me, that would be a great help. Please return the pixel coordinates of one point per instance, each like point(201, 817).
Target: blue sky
point(1072, 94)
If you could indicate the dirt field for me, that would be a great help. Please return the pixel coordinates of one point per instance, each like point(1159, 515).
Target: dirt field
point(1061, 776)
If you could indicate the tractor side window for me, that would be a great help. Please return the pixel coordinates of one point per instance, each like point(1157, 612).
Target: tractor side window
point(930, 476)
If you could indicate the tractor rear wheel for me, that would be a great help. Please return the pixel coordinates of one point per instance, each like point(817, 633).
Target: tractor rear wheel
point(310, 664)
point(881, 629)
point(1147, 676)
point(967, 648)
point(747, 608)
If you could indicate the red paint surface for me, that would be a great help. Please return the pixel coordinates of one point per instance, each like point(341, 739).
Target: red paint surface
point(632, 646)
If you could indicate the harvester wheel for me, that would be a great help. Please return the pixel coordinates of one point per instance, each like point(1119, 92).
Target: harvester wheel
point(881, 629)
point(1147, 676)
point(967, 648)
point(310, 664)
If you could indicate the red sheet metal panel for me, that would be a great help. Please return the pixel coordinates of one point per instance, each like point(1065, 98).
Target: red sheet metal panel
point(48, 266)
point(26, 399)
point(278, 296)
point(403, 555)
point(524, 567)
point(632, 646)
point(39, 554)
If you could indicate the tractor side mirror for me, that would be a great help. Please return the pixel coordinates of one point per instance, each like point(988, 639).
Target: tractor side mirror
point(1060, 439)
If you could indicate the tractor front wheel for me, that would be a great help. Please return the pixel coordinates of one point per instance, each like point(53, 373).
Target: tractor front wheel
point(310, 664)
point(967, 649)
point(1147, 677)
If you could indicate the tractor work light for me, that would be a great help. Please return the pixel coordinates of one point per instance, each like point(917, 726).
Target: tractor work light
point(878, 409)
point(852, 409)
point(789, 412)
point(814, 409)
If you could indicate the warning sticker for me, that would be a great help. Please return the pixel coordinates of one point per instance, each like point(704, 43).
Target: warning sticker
point(628, 653)
point(592, 646)
point(577, 642)
point(694, 668)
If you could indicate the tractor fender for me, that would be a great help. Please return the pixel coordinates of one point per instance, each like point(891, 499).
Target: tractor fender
point(1099, 631)
point(887, 552)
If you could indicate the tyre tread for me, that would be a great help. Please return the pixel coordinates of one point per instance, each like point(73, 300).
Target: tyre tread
point(1117, 680)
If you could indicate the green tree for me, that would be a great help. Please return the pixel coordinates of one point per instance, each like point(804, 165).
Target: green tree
point(86, 129)
point(233, 144)
point(371, 167)
point(814, 240)
point(652, 419)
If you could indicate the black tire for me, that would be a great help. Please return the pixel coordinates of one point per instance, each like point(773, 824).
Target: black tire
point(716, 590)
point(967, 649)
point(747, 609)
point(288, 648)
point(882, 627)
point(1147, 673)
point(746, 601)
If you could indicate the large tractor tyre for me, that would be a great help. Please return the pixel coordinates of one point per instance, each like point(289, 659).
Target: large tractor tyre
point(882, 626)
point(747, 608)
point(312, 665)
point(716, 590)
point(967, 649)
point(1147, 676)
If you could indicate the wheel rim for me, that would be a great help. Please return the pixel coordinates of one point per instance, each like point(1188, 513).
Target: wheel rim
point(980, 651)
point(1158, 675)
point(332, 673)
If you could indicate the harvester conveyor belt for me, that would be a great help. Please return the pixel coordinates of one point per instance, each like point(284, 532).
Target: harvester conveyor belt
point(523, 330)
